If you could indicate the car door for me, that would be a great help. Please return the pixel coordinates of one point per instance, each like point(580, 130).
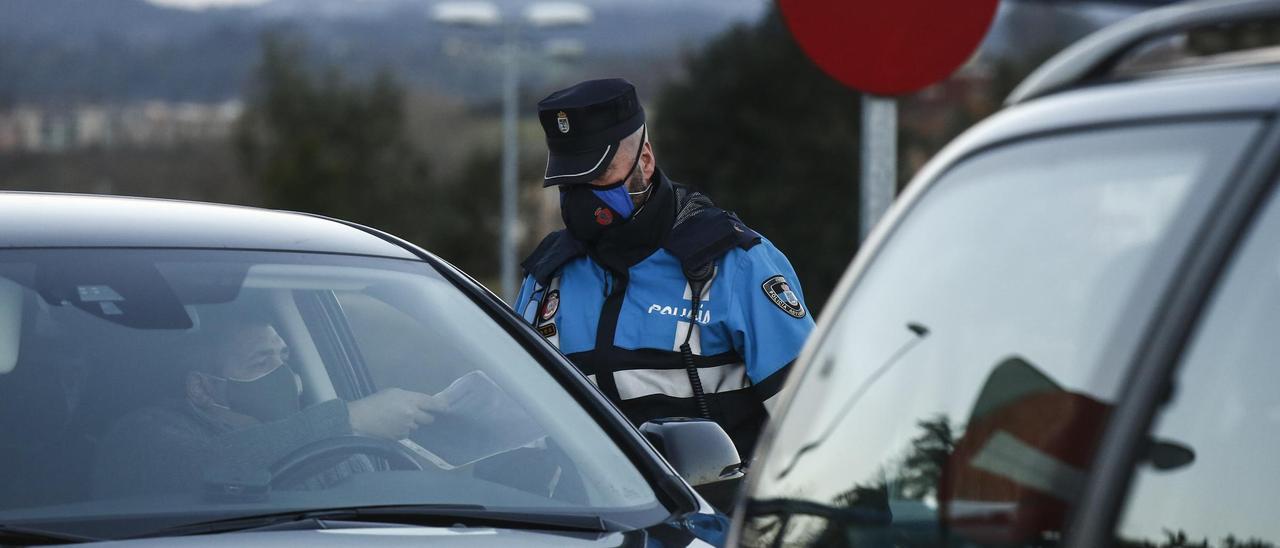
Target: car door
point(1208, 476)
point(958, 391)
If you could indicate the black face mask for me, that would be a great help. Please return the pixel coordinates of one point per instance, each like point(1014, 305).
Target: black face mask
point(268, 398)
point(589, 211)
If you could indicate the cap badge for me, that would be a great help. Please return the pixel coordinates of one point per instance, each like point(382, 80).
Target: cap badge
point(604, 217)
point(562, 121)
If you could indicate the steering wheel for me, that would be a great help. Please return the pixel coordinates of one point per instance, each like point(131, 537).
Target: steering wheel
point(315, 457)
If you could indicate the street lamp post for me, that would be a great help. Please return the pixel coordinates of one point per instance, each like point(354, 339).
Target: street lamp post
point(486, 14)
point(510, 149)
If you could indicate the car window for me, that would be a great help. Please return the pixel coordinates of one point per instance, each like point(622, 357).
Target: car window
point(145, 388)
point(1209, 478)
point(959, 393)
point(386, 338)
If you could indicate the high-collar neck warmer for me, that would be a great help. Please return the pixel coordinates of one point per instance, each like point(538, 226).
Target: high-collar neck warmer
point(642, 234)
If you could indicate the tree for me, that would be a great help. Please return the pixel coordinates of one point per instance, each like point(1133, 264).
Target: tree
point(314, 141)
point(767, 134)
point(468, 236)
point(920, 474)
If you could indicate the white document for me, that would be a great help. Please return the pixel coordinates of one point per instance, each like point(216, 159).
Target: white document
point(480, 420)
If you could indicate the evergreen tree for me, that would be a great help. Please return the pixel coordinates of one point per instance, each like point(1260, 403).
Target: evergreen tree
point(314, 141)
point(763, 131)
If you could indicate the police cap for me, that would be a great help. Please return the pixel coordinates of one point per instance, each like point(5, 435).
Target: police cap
point(584, 124)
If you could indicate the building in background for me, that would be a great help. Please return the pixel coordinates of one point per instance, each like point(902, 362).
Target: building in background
point(28, 128)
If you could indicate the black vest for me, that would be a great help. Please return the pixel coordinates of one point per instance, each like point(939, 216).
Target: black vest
point(699, 234)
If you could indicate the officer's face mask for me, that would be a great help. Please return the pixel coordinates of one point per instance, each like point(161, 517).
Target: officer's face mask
point(272, 396)
point(588, 210)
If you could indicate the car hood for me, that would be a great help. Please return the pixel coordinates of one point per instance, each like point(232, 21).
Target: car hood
point(392, 536)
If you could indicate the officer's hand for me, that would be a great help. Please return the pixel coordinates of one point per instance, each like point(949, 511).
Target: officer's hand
point(392, 413)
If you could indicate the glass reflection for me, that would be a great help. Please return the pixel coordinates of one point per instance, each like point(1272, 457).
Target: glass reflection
point(1211, 481)
point(999, 478)
point(958, 396)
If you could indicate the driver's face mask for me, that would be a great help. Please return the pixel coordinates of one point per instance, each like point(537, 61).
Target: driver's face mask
point(271, 396)
point(589, 210)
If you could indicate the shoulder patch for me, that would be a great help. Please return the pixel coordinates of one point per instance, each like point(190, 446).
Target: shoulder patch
point(551, 305)
point(779, 291)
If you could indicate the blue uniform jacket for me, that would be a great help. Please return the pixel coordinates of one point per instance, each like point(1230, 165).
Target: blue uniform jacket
point(625, 329)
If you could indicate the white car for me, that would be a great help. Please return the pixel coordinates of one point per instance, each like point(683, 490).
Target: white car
point(1066, 332)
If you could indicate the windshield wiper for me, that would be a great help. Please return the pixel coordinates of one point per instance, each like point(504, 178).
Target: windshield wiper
point(13, 534)
point(427, 515)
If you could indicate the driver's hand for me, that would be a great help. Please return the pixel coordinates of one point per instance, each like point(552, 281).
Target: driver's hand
point(392, 413)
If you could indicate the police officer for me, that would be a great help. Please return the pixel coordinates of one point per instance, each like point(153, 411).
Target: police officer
point(672, 306)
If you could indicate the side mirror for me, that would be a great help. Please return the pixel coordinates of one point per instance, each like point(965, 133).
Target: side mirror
point(700, 451)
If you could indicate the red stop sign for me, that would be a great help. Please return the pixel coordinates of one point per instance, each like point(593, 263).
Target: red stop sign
point(888, 47)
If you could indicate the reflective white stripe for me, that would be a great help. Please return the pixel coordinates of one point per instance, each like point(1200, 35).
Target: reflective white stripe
point(637, 383)
point(695, 342)
point(682, 328)
point(593, 168)
point(706, 289)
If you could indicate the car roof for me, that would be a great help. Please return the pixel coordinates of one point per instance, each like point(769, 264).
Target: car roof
point(1206, 94)
point(42, 220)
point(1218, 94)
point(1097, 56)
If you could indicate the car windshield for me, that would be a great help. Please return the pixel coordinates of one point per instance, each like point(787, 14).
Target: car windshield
point(147, 389)
point(961, 404)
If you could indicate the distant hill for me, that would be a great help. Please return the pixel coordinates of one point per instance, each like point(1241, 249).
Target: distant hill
point(58, 51)
point(79, 22)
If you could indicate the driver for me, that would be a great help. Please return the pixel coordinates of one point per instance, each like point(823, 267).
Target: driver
point(241, 411)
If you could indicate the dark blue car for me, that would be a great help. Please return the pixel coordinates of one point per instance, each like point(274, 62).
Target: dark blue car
point(175, 373)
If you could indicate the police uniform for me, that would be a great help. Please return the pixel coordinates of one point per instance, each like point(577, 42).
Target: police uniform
point(676, 309)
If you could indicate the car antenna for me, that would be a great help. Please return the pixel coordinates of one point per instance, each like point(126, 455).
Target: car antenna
point(919, 332)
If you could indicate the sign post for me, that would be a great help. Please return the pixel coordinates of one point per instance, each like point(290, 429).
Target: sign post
point(886, 48)
point(878, 141)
